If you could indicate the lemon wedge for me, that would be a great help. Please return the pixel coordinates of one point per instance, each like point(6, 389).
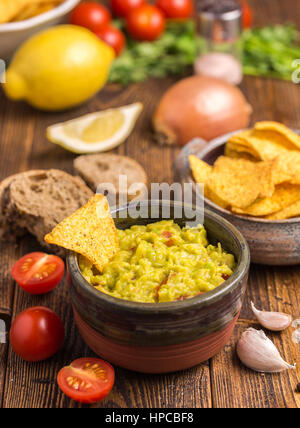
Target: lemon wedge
point(96, 132)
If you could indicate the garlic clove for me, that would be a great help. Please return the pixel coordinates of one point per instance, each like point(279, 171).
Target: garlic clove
point(259, 353)
point(296, 336)
point(296, 323)
point(274, 321)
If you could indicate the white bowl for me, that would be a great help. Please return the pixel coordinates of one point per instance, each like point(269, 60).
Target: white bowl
point(13, 34)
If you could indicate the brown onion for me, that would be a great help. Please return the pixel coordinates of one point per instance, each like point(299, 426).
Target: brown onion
point(200, 106)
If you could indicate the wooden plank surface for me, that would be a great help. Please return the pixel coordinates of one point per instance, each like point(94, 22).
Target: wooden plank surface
point(221, 382)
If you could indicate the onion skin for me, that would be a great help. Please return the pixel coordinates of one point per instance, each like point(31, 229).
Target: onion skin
point(200, 106)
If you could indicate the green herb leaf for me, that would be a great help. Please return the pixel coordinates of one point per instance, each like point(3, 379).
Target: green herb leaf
point(268, 51)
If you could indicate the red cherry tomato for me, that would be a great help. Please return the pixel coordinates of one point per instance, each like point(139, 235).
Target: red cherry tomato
point(247, 14)
point(36, 334)
point(91, 15)
point(124, 7)
point(146, 23)
point(176, 8)
point(114, 38)
point(87, 380)
point(38, 273)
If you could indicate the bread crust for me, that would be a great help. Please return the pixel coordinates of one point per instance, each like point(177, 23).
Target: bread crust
point(102, 168)
point(35, 201)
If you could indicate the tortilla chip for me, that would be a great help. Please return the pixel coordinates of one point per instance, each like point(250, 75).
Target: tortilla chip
point(90, 231)
point(284, 195)
point(242, 137)
point(34, 9)
point(201, 173)
point(280, 133)
point(280, 173)
point(43, 2)
point(240, 182)
point(216, 199)
point(260, 174)
point(266, 141)
point(262, 147)
point(288, 212)
point(19, 10)
point(201, 170)
point(9, 9)
point(287, 168)
point(233, 150)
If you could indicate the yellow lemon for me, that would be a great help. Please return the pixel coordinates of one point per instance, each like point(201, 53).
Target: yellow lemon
point(59, 68)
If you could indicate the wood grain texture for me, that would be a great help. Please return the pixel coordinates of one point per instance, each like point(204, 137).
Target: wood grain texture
point(221, 382)
point(235, 386)
point(190, 388)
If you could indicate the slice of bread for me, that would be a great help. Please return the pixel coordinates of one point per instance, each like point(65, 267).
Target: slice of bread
point(9, 231)
point(97, 169)
point(36, 201)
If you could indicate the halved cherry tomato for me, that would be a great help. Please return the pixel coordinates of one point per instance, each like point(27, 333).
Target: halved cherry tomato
point(124, 7)
point(36, 334)
point(38, 273)
point(87, 380)
point(146, 23)
point(176, 8)
point(114, 38)
point(91, 15)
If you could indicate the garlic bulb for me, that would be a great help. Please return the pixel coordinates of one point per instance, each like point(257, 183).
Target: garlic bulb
point(259, 353)
point(274, 321)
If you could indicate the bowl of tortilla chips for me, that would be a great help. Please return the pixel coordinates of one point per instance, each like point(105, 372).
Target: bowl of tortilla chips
point(252, 178)
point(20, 19)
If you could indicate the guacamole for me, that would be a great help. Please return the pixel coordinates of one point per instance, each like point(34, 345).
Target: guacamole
point(161, 262)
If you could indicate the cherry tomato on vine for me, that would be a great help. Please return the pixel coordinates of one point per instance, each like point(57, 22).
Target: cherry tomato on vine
point(38, 273)
point(87, 380)
point(114, 38)
point(36, 334)
point(91, 15)
point(146, 23)
point(124, 7)
point(176, 8)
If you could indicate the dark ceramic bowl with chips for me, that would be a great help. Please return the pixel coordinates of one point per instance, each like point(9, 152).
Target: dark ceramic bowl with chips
point(271, 242)
point(162, 337)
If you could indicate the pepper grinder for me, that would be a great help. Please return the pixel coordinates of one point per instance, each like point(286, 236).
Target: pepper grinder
point(219, 22)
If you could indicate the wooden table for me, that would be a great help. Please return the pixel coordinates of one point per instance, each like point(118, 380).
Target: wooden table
point(220, 382)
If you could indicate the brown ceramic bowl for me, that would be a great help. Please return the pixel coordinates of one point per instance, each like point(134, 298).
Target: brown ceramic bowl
point(162, 337)
point(270, 242)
